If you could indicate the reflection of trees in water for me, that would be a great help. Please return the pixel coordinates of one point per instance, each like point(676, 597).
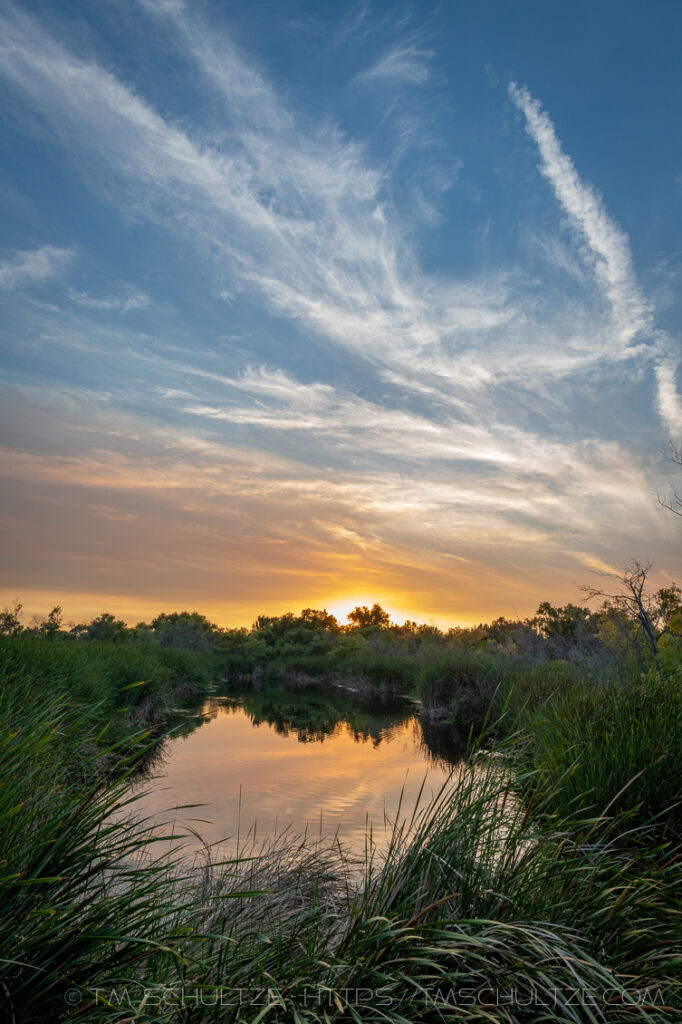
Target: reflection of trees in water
point(312, 716)
point(442, 744)
point(180, 724)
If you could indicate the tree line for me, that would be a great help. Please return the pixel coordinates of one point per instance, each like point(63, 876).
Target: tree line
point(631, 623)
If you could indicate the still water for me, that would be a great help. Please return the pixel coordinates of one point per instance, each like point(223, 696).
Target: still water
point(261, 762)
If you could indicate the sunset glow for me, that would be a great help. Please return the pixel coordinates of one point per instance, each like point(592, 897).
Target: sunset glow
point(334, 309)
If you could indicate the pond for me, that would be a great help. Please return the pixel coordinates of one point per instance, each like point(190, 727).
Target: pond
point(263, 761)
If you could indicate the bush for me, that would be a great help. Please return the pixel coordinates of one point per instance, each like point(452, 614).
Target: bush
point(384, 671)
point(461, 687)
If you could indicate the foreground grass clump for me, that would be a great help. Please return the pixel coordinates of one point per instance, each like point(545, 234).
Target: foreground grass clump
point(617, 743)
point(612, 740)
point(480, 910)
point(72, 900)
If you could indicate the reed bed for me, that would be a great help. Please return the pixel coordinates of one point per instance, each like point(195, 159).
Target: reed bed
point(511, 897)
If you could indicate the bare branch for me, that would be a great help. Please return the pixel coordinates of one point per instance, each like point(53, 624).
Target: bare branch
point(631, 598)
point(675, 453)
point(673, 503)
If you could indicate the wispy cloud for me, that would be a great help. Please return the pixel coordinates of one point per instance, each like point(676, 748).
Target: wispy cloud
point(447, 534)
point(304, 213)
point(136, 300)
point(300, 217)
point(20, 269)
point(669, 402)
point(608, 245)
point(609, 251)
point(456, 438)
point(547, 494)
point(401, 64)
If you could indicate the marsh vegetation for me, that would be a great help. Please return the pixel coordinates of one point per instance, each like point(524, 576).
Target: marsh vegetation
point(541, 883)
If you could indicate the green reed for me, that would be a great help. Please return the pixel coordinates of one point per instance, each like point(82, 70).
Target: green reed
point(511, 896)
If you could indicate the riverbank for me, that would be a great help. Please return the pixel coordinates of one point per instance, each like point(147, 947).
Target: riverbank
point(532, 886)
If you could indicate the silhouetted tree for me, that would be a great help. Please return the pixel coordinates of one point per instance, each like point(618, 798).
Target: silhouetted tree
point(105, 628)
point(10, 624)
point(362, 616)
point(570, 629)
point(51, 626)
point(189, 630)
point(299, 628)
point(319, 619)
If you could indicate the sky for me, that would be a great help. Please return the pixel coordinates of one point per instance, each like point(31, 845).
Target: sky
point(316, 303)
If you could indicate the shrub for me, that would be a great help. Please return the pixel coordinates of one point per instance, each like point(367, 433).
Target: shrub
point(461, 687)
point(384, 670)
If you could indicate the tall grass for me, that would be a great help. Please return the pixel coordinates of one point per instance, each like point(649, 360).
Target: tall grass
point(107, 681)
point(468, 688)
point(617, 744)
point(72, 905)
point(388, 673)
point(475, 913)
point(511, 897)
point(463, 688)
point(591, 741)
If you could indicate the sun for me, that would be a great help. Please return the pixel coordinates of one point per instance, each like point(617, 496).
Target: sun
point(341, 606)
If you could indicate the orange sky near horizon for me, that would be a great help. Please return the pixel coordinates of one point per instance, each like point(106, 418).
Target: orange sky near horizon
point(135, 521)
point(82, 607)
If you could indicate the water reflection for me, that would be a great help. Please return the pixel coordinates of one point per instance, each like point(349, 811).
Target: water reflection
point(267, 759)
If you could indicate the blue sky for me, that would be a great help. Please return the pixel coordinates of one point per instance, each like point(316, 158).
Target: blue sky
point(318, 303)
